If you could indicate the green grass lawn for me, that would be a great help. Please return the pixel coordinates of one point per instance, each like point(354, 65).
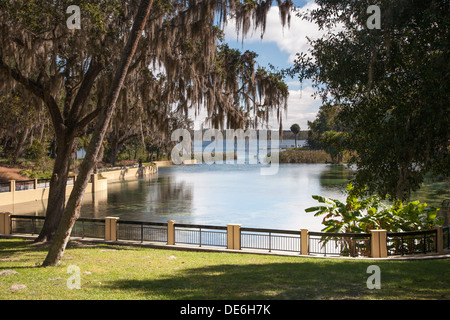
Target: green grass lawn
point(120, 272)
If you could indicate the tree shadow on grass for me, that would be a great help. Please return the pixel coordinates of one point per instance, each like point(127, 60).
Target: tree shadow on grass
point(15, 245)
point(254, 281)
point(18, 250)
point(290, 281)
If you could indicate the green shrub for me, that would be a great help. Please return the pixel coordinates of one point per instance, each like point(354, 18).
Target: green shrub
point(362, 214)
point(36, 174)
point(304, 156)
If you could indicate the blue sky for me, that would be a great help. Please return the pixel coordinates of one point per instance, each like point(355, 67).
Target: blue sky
point(278, 47)
point(269, 49)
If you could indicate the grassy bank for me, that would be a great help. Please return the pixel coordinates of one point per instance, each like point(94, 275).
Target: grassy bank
point(304, 156)
point(117, 272)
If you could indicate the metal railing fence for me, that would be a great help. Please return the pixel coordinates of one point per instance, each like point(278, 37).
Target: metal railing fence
point(22, 185)
point(43, 183)
point(83, 228)
point(5, 187)
point(142, 231)
point(89, 228)
point(415, 242)
point(201, 235)
point(317, 243)
point(340, 244)
point(270, 239)
point(26, 224)
point(446, 237)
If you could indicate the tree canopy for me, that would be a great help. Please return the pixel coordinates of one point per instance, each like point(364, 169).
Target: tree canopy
point(391, 85)
point(80, 75)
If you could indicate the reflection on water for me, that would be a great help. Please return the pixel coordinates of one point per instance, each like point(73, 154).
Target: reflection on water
point(218, 195)
point(335, 175)
point(156, 199)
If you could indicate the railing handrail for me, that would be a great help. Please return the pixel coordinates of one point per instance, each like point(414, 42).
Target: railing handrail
point(24, 181)
point(411, 233)
point(196, 226)
point(30, 181)
point(144, 223)
point(271, 230)
point(23, 216)
point(107, 169)
point(249, 229)
point(337, 234)
point(260, 238)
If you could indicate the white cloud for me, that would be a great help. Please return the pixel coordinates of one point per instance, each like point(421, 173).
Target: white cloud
point(291, 40)
point(302, 107)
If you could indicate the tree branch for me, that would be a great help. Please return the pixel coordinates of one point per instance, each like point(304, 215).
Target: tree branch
point(80, 125)
point(31, 85)
point(38, 90)
point(84, 91)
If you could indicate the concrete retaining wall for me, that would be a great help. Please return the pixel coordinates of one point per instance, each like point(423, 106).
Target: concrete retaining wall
point(95, 186)
point(38, 194)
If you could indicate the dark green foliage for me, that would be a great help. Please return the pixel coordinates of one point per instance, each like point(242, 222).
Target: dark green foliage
point(391, 85)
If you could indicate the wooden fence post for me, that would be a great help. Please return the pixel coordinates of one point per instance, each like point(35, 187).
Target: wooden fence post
point(111, 228)
point(234, 236)
point(304, 238)
point(378, 243)
point(12, 189)
point(5, 223)
point(237, 237)
point(171, 232)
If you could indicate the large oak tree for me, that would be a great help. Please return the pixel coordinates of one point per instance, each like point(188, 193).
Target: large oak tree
point(78, 74)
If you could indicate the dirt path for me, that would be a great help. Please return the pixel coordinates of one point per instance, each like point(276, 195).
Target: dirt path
point(7, 174)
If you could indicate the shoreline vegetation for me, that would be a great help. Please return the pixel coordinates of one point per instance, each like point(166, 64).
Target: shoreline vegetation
point(306, 155)
point(26, 169)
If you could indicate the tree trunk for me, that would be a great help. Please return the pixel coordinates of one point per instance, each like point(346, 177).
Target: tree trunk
point(72, 211)
point(20, 145)
point(114, 150)
point(57, 193)
point(401, 186)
